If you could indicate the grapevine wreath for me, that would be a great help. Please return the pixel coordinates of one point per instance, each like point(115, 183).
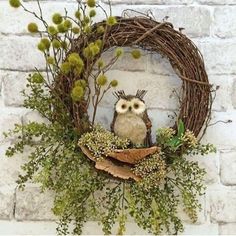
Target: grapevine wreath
point(95, 173)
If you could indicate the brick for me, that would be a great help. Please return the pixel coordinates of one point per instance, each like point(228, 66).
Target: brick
point(211, 164)
point(218, 134)
point(6, 202)
point(15, 21)
point(7, 121)
point(32, 204)
point(234, 94)
point(222, 26)
point(126, 62)
point(227, 168)
point(149, 2)
point(222, 205)
point(13, 81)
point(203, 229)
point(160, 88)
point(20, 53)
point(217, 2)
point(223, 98)
point(28, 228)
point(223, 64)
point(227, 229)
point(10, 166)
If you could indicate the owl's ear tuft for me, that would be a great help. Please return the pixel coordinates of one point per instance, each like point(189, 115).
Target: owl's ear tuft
point(119, 94)
point(140, 94)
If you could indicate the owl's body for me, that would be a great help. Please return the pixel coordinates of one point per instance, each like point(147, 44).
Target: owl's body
point(131, 120)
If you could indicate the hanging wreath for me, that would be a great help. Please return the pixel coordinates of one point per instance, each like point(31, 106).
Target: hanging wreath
point(106, 174)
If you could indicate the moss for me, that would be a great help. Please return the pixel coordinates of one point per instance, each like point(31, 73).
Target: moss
point(57, 18)
point(91, 3)
point(136, 54)
point(33, 27)
point(101, 80)
point(15, 3)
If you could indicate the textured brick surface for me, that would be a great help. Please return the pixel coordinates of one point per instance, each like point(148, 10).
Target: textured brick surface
point(227, 168)
point(31, 204)
point(210, 23)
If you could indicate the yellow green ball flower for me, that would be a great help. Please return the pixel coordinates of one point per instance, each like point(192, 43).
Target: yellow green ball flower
point(114, 83)
point(37, 78)
point(136, 54)
point(61, 28)
point(92, 13)
point(52, 30)
point(111, 20)
point(41, 46)
point(78, 15)
point(91, 3)
point(77, 70)
point(100, 29)
point(46, 42)
point(86, 19)
point(99, 43)
point(100, 63)
point(57, 18)
point(15, 3)
point(76, 30)
point(50, 60)
point(56, 43)
point(33, 27)
point(77, 93)
point(101, 80)
point(67, 24)
point(81, 83)
point(119, 52)
point(87, 29)
point(65, 68)
point(75, 60)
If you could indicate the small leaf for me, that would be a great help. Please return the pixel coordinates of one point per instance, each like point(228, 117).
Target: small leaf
point(181, 128)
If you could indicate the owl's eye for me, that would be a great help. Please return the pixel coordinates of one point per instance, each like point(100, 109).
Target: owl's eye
point(136, 106)
point(123, 106)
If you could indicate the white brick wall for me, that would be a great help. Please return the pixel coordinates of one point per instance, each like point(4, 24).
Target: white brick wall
point(211, 24)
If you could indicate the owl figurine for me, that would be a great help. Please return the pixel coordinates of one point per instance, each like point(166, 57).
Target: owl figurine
point(131, 119)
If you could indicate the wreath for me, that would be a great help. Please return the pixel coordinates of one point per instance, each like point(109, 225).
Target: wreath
point(95, 172)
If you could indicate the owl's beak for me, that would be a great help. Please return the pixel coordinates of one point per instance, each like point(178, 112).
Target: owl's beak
point(130, 108)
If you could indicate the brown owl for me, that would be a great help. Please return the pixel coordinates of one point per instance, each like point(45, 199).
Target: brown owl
point(131, 119)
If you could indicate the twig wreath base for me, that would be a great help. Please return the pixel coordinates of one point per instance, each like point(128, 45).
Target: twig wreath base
point(163, 39)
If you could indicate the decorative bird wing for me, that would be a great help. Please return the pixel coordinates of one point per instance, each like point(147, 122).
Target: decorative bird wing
point(113, 121)
point(148, 123)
